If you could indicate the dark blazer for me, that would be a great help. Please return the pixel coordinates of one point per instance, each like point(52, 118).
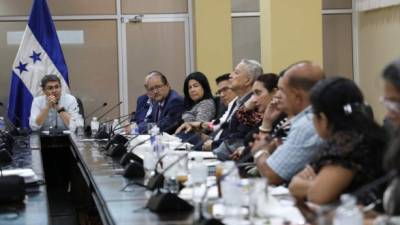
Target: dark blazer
point(234, 129)
point(142, 106)
point(171, 114)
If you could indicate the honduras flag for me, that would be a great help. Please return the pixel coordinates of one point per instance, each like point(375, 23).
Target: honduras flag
point(39, 54)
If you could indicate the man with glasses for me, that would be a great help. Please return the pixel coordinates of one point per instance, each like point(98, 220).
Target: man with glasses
point(168, 108)
point(54, 108)
point(391, 95)
point(144, 105)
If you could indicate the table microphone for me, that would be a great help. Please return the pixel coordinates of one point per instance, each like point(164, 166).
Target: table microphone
point(118, 138)
point(14, 129)
point(102, 133)
point(120, 149)
point(88, 129)
point(12, 188)
point(133, 164)
point(129, 155)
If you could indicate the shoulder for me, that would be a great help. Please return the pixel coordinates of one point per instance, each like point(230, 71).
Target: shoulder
point(175, 97)
point(141, 99)
point(39, 100)
point(207, 102)
point(68, 96)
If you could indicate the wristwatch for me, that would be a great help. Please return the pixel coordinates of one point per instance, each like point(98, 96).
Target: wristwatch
point(62, 109)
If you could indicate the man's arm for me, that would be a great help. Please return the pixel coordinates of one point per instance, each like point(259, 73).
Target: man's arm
point(71, 110)
point(38, 116)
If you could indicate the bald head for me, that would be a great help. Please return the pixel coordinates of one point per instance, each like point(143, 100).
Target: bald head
point(304, 75)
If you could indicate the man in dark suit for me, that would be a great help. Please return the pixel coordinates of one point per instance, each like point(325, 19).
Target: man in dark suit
point(144, 106)
point(168, 107)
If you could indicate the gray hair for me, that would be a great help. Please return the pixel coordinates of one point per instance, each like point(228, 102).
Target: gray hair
point(253, 67)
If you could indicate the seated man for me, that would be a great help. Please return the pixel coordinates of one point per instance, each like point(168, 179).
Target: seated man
point(144, 106)
point(54, 108)
point(168, 107)
point(280, 164)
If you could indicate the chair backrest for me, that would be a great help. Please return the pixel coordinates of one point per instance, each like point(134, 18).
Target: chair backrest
point(219, 107)
point(80, 106)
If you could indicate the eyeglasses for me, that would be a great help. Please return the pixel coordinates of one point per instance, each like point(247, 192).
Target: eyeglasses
point(222, 90)
point(155, 88)
point(390, 105)
point(50, 88)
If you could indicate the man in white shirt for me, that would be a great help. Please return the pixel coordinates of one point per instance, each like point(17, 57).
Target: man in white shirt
point(54, 108)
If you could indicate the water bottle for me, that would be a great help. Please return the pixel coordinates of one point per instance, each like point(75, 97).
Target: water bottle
point(154, 131)
point(94, 124)
point(114, 127)
point(2, 124)
point(348, 213)
point(231, 191)
point(134, 129)
point(198, 177)
point(80, 131)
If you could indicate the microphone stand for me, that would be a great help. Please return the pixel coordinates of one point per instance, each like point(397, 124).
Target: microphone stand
point(54, 131)
point(102, 133)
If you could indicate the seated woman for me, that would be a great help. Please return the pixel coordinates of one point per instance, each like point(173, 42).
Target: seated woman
point(354, 143)
point(199, 104)
point(198, 99)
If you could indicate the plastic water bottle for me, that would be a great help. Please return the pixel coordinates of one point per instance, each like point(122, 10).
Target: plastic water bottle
point(348, 213)
point(154, 131)
point(80, 131)
point(231, 191)
point(198, 177)
point(2, 124)
point(95, 126)
point(114, 126)
point(134, 129)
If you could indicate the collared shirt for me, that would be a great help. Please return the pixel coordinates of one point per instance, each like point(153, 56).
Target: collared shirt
point(299, 148)
point(149, 110)
point(228, 113)
point(39, 103)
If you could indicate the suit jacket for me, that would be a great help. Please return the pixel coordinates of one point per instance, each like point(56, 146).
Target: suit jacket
point(234, 129)
point(142, 106)
point(171, 113)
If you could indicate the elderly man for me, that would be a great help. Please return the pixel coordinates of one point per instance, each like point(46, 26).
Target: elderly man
point(144, 105)
point(241, 82)
point(54, 108)
point(168, 107)
point(280, 164)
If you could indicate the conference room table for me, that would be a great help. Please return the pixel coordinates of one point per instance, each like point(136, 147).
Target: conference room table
point(102, 181)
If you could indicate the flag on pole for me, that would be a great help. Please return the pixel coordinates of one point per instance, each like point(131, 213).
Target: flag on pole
point(39, 54)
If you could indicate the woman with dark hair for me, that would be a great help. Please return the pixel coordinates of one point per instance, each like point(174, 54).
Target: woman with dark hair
point(198, 100)
point(354, 143)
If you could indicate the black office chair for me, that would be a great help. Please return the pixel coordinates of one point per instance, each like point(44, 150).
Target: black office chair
point(80, 106)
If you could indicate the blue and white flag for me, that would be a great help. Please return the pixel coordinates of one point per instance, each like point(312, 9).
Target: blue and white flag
point(39, 54)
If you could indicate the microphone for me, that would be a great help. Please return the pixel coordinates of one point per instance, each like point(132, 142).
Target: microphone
point(88, 129)
point(12, 188)
point(8, 141)
point(96, 110)
point(14, 129)
point(108, 111)
point(129, 155)
point(102, 133)
point(117, 139)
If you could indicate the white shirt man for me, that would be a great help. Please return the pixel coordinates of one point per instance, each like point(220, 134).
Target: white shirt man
point(53, 109)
